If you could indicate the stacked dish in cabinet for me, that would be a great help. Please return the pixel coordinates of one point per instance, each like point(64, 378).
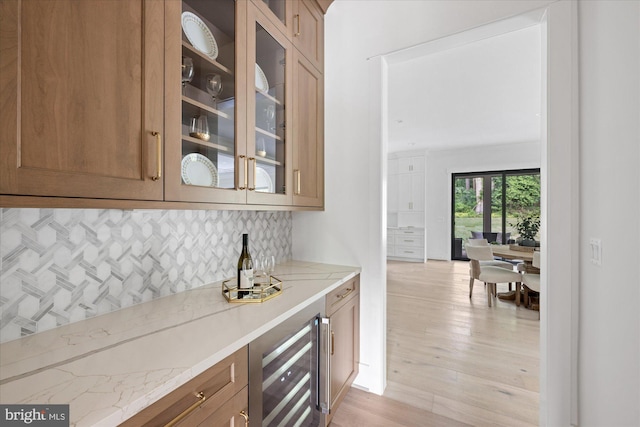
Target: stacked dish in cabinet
point(406, 244)
point(208, 94)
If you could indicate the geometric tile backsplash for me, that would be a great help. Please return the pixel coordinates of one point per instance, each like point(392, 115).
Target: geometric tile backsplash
point(64, 265)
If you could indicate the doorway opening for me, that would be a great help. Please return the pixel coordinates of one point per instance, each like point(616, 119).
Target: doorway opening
point(488, 205)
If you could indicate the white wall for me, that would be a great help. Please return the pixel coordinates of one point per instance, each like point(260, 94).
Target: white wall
point(442, 163)
point(350, 230)
point(609, 348)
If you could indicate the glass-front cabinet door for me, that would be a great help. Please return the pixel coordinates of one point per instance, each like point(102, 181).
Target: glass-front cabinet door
point(268, 100)
point(205, 147)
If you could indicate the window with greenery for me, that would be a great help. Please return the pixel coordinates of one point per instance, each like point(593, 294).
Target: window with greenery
point(490, 204)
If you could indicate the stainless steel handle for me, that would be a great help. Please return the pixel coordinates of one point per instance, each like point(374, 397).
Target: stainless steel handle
point(201, 398)
point(324, 377)
point(333, 343)
point(158, 156)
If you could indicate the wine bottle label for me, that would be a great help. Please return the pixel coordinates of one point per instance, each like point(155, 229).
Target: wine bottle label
point(246, 280)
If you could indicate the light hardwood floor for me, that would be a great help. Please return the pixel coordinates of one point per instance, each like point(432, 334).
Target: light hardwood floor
point(450, 360)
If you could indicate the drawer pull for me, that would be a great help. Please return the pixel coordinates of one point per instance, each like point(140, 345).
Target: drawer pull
point(246, 418)
point(349, 290)
point(201, 398)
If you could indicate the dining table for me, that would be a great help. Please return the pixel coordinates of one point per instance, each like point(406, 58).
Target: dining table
point(508, 252)
point(511, 253)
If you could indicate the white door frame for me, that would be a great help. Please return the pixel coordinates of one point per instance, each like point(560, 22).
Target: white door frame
point(559, 174)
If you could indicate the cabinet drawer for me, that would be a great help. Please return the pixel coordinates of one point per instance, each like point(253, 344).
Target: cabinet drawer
point(409, 252)
point(218, 384)
point(228, 414)
point(339, 297)
point(410, 232)
point(413, 241)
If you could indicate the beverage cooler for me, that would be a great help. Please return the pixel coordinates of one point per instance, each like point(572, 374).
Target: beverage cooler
point(288, 372)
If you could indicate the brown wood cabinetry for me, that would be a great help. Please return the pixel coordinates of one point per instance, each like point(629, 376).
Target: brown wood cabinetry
point(95, 111)
point(82, 98)
point(217, 397)
point(307, 28)
point(308, 134)
point(343, 310)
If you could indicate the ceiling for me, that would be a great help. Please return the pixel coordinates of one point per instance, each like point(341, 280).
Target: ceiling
point(467, 93)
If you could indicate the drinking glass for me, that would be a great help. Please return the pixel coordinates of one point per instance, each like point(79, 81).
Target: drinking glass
point(199, 128)
point(269, 266)
point(270, 113)
point(214, 85)
point(187, 71)
point(261, 147)
point(260, 265)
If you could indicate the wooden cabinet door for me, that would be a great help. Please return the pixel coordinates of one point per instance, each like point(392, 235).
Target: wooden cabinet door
point(307, 26)
point(269, 96)
point(345, 344)
point(82, 95)
point(308, 134)
point(220, 151)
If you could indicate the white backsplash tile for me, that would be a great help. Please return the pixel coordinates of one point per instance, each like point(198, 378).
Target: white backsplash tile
point(64, 265)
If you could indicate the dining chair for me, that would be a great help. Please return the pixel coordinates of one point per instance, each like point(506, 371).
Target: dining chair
point(531, 281)
point(475, 272)
point(491, 274)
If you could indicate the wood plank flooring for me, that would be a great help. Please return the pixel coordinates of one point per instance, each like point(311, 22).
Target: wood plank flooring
point(451, 361)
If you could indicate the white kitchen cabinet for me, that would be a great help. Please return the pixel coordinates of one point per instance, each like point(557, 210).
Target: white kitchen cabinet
point(406, 244)
point(406, 239)
point(410, 164)
point(410, 192)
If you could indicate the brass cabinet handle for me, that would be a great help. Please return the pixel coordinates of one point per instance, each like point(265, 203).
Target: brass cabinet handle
point(332, 342)
point(297, 172)
point(246, 178)
point(201, 398)
point(255, 170)
point(297, 18)
point(158, 155)
point(246, 418)
point(349, 290)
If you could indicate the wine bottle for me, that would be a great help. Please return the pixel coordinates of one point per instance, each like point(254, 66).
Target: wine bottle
point(243, 281)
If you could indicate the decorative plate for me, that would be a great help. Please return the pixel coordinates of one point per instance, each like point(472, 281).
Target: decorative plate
point(261, 80)
point(198, 170)
point(264, 184)
point(199, 35)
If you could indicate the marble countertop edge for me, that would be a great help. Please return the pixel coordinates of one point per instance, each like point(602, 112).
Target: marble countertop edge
point(120, 388)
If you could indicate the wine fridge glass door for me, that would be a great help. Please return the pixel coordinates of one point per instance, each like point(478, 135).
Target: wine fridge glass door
point(285, 382)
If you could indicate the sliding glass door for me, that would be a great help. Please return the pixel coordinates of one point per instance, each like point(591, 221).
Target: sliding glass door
point(487, 205)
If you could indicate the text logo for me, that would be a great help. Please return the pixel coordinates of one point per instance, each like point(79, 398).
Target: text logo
point(34, 415)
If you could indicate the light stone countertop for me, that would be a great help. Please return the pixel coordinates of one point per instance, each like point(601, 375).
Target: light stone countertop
point(112, 366)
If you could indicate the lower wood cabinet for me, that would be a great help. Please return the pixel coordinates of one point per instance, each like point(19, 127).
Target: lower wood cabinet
point(217, 397)
point(343, 310)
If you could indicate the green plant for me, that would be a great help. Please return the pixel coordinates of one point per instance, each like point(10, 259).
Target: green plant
point(528, 226)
